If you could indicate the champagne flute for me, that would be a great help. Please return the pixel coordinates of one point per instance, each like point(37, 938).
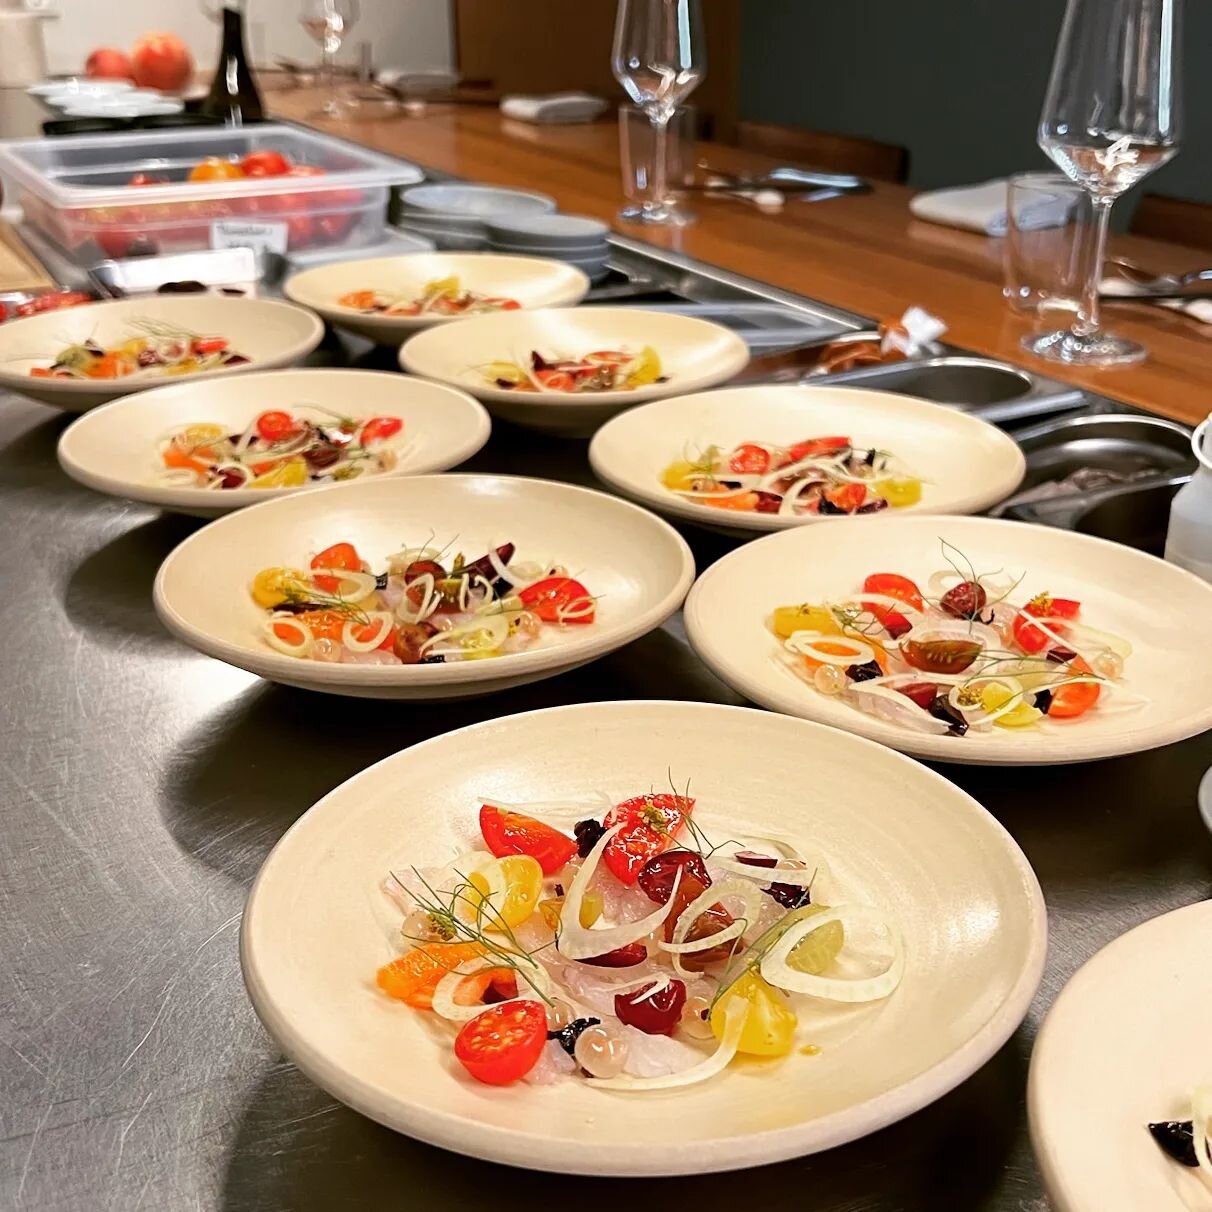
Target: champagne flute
point(1111, 117)
point(660, 57)
point(328, 21)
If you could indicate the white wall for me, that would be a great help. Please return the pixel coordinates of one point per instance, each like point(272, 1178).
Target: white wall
point(402, 33)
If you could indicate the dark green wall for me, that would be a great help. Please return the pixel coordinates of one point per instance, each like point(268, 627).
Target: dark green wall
point(958, 82)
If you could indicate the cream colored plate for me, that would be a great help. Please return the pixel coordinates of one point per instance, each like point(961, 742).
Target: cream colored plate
point(532, 281)
point(694, 354)
point(967, 464)
point(636, 565)
point(114, 448)
point(272, 334)
point(1150, 603)
point(1122, 1047)
point(317, 926)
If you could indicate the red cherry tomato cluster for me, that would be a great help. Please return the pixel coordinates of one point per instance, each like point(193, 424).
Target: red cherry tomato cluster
point(51, 301)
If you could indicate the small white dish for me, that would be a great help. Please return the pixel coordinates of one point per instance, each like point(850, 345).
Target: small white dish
point(271, 334)
point(531, 281)
point(317, 926)
point(562, 253)
point(1143, 599)
point(445, 240)
point(637, 566)
point(475, 201)
point(123, 105)
point(79, 86)
point(113, 449)
point(548, 230)
point(1121, 1048)
point(694, 354)
point(966, 464)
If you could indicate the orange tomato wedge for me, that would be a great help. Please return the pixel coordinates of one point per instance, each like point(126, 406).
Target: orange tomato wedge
point(412, 978)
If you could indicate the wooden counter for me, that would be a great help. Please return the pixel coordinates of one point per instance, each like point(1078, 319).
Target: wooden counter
point(866, 253)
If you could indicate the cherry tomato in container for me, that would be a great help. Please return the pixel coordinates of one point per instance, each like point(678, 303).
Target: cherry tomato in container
point(330, 229)
point(275, 426)
point(147, 179)
point(1029, 637)
point(650, 823)
point(653, 1009)
point(504, 1043)
point(300, 231)
point(515, 833)
point(215, 168)
point(893, 585)
point(379, 429)
point(265, 164)
point(558, 600)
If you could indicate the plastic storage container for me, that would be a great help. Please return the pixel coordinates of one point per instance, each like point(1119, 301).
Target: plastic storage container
point(1189, 539)
point(77, 191)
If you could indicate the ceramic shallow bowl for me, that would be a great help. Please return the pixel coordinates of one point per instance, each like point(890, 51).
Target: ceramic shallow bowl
point(270, 333)
point(114, 448)
point(637, 566)
point(1145, 600)
point(532, 281)
point(694, 354)
point(317, 926)
point(1122, 1047)
point(967, 464)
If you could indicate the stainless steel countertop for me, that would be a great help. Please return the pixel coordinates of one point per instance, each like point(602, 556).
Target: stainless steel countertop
point(142, 785)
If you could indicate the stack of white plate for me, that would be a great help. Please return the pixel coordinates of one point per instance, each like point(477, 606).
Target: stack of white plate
point(83, 98)
point(456, 216)
point(577, 239)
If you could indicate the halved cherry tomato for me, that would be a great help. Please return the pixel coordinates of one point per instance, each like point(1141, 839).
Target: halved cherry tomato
point(1076, 698)
point(214, 168)
point(276, 426)
point(750, 459)
point(657, 875)
point(209, 345)
point(300, 231)
point(891, 620)
point(893, 585)
point(412, 978)
point(941, 656)
point(654, 1013)
point(360, 300)
point(650, 823)
point(379, 429)
point(627, 956)
point(147, 179)
point(265, 164)
point(1043, 606)
point(487, 986)
point(710, 921)
point(339, 555)
point(743, 502)
point(502, 1044)
point(323, 625)
point(558, 600)
point(846, 496)
point(515, 833)
point(555, 380)
point(816, 446)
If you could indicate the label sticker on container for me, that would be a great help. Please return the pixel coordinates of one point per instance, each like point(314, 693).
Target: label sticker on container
point(261, 237)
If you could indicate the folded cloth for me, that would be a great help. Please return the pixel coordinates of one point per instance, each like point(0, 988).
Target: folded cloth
point(983, 208)
point(553, 107)
point(1197, 309)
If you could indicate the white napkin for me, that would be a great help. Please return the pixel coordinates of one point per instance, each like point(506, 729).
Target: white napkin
point(983, 208)
point(553, 107)
point(1198, 309)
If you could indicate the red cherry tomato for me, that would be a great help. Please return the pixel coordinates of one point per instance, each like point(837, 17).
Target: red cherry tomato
point(848, 497)
point(514, 833)
point(379, 429)
point(621, 957)
point(502, 1044)
point(555, 380)
point(892, 620)
point(750, 459)
point(276, 426)
point(1029, 637)
point(558, 600)
point(817, 446)
point(332, 228)
point(339, 555)
point(657, 875)
point(209, 345)
point(1076, 698)
point(215, 168)
point(147, 179)
point(710, 921)
point(893, 585)
point(300, 231)
point(265, 164)
point(306, 170)
point(653, 1013)
point(650, 823)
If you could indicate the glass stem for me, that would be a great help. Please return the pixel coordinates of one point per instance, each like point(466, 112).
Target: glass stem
point(1088, 320)
point(660, 168)
point(329, 73)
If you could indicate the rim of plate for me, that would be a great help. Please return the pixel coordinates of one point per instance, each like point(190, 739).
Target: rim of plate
point(509, 1146)
point(479, 428)
point(737, 359)
point(978, 750)
point(666, 502)
point(578, 651)
point(419, 196)
point(1063, 1019)
point(578, 288)
point(19, 382)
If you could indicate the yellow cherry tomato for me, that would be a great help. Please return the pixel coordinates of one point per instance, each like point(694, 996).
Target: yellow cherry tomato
point(215, 168)
point(291, 474)
point(681, 475)
point(816, 951)
point(1024, 715)
point(199, 435)
point(510, 372)
point(271, 586)
point(645, 369)
point(899, 491)
point(770, 1024)
point(522, 878)
point(788, 619)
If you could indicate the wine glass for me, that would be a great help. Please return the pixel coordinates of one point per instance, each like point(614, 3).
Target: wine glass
point(660, 57)
point(1111, 117)
point(328, 21)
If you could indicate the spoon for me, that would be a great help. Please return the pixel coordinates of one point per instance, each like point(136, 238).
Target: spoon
point(1139, 276)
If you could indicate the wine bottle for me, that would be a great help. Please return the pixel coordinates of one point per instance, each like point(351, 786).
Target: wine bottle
point(233, 93)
